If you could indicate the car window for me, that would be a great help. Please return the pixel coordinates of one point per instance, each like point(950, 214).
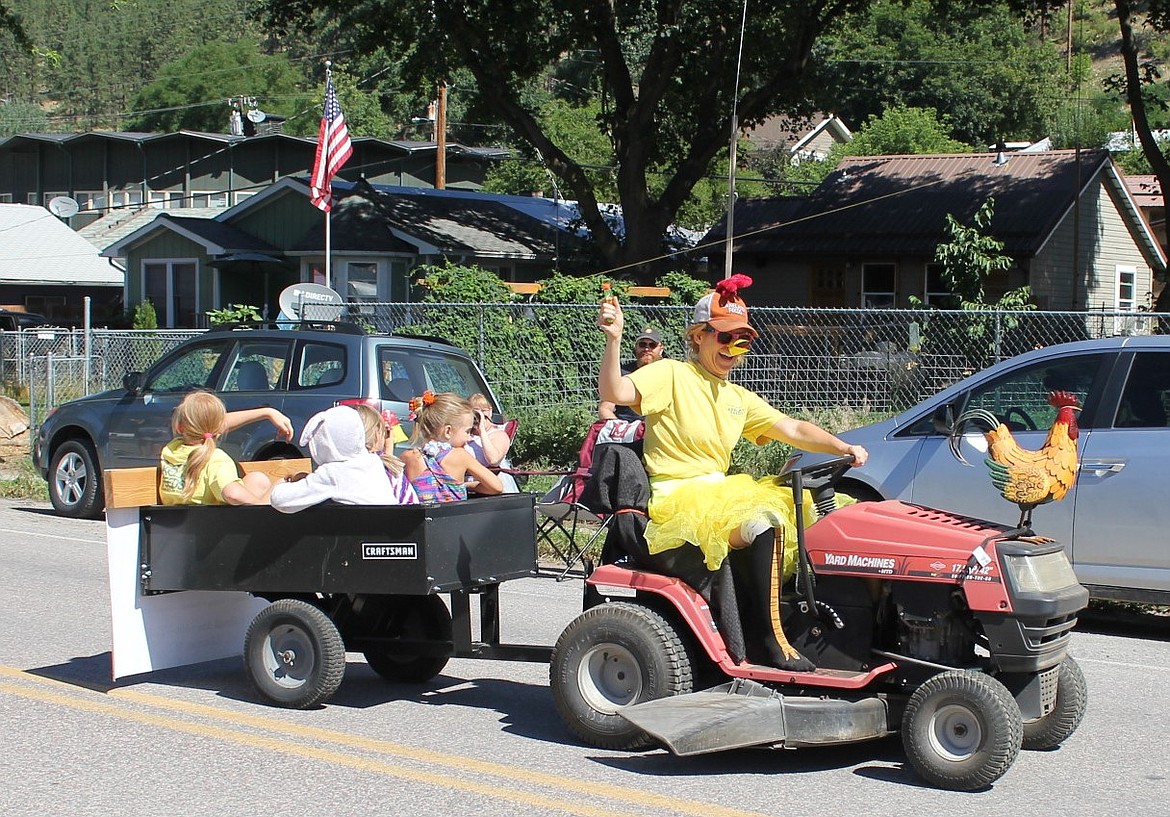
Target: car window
point(1146, 393)
point(192, 369)
point(321, 364)
point(1020, 398)
point(258, 366)
point(406, 373)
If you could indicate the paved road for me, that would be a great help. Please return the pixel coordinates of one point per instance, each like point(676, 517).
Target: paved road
point(481, 739)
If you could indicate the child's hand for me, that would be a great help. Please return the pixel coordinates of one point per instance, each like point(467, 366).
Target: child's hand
point(284, 429)
point(297, 477)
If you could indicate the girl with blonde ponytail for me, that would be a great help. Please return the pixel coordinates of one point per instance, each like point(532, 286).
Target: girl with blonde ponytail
point(195, 470)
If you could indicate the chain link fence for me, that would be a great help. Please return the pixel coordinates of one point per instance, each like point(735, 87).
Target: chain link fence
point(539, 356)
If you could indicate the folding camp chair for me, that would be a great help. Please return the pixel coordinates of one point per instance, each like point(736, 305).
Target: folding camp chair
point(561, 508)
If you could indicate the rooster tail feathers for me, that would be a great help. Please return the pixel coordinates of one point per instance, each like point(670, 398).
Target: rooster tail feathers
point(978, 416)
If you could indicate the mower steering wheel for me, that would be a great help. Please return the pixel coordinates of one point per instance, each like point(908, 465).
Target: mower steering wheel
point(825, 473)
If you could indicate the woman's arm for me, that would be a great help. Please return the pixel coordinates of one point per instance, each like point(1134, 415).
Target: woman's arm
point(612, 386)
point(811, 437)
point(234, 419)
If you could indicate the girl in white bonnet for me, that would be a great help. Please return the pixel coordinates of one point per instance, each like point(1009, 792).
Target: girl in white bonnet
point(345, 470)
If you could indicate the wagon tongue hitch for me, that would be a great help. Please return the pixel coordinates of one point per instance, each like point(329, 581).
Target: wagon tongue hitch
point(746, 713)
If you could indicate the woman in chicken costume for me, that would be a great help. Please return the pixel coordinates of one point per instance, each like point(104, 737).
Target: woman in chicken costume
point(694, 416)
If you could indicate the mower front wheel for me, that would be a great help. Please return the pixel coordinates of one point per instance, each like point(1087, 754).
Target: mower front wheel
point(1072, 697)
point(611, 656)
point(962, 730)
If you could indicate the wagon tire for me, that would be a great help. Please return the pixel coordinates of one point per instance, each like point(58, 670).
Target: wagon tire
point(1071, 700)
point(294, 654)
point(423, 618)
point(611, 656)
point(75, 481)
point(962, 730)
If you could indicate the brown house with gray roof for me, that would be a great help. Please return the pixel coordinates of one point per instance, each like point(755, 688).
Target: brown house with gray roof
point(866, 237)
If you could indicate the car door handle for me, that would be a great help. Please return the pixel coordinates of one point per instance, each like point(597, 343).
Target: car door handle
point(1100, 468)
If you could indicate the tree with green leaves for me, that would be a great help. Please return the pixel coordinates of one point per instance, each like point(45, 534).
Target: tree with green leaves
point(969, 258)
point(665, 72)
point(192, 92)
point(978, 61)
point(1142, 76)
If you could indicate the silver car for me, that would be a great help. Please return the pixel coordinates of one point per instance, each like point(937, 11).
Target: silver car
point(1115, 523)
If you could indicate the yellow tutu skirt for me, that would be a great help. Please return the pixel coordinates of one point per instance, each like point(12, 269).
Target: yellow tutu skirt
point(705, 511)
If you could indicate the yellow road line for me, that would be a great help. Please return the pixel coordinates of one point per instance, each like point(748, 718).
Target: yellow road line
point(593, 789)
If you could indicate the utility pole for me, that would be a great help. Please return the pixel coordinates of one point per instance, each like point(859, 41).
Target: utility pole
point(441, 139)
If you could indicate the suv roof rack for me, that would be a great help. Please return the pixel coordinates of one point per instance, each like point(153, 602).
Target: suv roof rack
point(341, 327)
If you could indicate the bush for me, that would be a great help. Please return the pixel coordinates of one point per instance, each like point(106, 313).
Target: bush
point(551, 437)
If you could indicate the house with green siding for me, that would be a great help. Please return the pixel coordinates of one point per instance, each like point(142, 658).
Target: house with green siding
point(379, 234)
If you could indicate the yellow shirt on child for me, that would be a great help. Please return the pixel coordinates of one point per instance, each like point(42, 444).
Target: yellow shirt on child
point(220, 472)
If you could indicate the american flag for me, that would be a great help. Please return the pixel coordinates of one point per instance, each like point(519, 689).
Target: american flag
point(333, 150)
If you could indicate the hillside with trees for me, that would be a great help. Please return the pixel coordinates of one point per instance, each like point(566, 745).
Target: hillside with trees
point(628, 102)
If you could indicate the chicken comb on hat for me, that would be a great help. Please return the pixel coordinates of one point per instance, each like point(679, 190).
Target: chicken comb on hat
point(723, 309)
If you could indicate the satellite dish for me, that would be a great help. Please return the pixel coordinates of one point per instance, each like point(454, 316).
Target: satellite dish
point(63, 206)
point(256, 116)
point(324, 304)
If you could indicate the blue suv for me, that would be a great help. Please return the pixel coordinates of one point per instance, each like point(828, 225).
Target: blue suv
point(299, 371)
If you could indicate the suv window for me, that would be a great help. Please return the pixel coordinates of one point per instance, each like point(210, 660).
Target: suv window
point(406, 373)
point(190, 370)
point(258, 366)
point(1020, 398)
point(321, 364)
point(1147, 391)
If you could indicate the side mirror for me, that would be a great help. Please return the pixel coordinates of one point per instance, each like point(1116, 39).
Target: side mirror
point(944, 420)
point(132, 382)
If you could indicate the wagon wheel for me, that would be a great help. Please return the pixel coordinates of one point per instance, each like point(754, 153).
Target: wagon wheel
point(294, 654)
point(412, 618)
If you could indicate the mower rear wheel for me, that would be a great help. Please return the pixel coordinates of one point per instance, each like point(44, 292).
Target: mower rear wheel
point(962, 730)
point(611, 656)
point(1072, 697)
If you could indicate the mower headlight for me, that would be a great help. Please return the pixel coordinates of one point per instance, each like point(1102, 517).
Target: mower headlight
point(1041, 573)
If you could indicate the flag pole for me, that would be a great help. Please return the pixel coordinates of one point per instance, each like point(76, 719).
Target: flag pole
point(334, 147)
point(329, 211)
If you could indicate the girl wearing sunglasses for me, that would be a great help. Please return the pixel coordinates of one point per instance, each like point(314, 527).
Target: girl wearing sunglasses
point(694, 416)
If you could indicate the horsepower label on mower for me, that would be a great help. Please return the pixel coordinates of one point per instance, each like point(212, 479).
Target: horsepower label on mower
point(389, 550)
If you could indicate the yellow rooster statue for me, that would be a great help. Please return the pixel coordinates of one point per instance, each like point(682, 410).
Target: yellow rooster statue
point(1028, 478)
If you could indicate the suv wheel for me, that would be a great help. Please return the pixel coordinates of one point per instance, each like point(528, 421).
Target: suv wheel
point(75, 482)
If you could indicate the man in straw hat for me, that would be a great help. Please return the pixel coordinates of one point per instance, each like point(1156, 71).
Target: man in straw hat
point(694, 416)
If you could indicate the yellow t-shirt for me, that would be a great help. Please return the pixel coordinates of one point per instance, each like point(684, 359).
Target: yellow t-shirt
point(693, 419)
point(220, 472)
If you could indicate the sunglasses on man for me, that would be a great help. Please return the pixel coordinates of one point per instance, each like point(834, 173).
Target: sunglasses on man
point(647, 344)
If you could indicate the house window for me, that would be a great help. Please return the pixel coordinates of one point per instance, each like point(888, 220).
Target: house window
point(207, 198)
point(33, 198)
point(172, 287)
point(91, 200)
point(935, 291)
point(5, 198)
point(240, 195)
point(125, 198)
point(361, 282)
point(877, 286)
point(165, 199)
point(1126, 289)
